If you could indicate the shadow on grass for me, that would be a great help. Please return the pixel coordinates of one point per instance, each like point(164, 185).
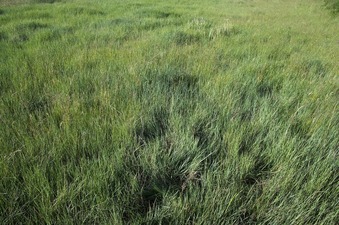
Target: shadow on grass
point(154, 126)
point(158, 14)
point(169, 83)
point(316, 67)
point(77, 11)
point(258, 172)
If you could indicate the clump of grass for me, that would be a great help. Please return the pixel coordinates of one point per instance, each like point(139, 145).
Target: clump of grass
point(3, 36)
point(226, 29)
point(332, 5)
point(184, 37)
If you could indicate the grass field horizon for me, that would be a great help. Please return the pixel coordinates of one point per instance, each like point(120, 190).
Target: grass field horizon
point(169, 112)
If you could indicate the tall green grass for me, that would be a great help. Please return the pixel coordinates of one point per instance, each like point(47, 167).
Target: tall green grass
point(168, 112)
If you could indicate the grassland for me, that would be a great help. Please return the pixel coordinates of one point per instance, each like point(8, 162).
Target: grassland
point(169, 112)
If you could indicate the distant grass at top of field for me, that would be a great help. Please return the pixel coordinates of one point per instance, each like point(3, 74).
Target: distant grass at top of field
point(17, 2)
